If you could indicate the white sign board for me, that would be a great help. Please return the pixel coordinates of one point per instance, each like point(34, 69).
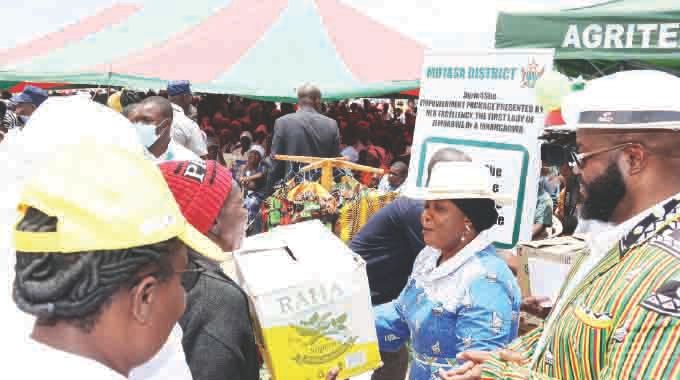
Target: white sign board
point(483, 103)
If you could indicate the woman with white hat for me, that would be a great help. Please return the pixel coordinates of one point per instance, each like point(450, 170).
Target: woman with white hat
point(461, 295)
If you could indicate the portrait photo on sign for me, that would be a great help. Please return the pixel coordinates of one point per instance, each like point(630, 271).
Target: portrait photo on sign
point(503, 163)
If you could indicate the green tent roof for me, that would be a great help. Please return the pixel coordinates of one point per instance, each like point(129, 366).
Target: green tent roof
point(600, 38)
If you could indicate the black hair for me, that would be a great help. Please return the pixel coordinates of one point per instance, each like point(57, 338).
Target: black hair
point(76, 287)
point(3, 111)
point(129, 97)
point(101, 98)
point(164, 105)
point(481, 212)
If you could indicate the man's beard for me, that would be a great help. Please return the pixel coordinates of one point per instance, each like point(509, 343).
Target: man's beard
point(603, 194)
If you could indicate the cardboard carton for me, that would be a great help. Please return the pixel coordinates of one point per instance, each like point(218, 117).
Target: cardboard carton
point(311, 300)
point(544, 264)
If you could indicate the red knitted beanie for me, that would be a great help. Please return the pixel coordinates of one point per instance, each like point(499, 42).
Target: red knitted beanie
point(200, 188)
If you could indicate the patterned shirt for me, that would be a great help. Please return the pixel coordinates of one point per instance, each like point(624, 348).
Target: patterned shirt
point(621, 321)
point(469, 302)
point(11, 120)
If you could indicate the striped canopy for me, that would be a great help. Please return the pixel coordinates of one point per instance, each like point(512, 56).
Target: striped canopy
point(256, 48)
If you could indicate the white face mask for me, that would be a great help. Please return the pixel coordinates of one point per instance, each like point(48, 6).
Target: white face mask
point(146, 132)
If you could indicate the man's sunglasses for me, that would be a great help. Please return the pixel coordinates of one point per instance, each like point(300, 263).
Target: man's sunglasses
point(580, 158)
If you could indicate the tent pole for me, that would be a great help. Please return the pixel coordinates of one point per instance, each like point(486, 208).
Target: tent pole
point(615, 66)
point(108, 81)
point(595, 67)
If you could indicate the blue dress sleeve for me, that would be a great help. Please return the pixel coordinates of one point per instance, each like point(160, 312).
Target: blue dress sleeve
point(392, 329)
point(489, 322)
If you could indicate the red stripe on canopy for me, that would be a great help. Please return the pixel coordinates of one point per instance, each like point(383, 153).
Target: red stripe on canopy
point(205, 51)
point(20, 87)
point(415, 92)
point(68, 34)
point(360, 41)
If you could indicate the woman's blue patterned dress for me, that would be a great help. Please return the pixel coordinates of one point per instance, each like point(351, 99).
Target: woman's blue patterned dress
point(469, 302)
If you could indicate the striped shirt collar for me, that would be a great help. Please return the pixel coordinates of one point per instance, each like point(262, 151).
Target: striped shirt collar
point(657, 219)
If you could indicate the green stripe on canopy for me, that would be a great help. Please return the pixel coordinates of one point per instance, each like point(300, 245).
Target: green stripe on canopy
point(295, 46)
point(95, 79)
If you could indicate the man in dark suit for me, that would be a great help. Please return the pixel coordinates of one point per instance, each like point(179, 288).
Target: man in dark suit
point(304, 133)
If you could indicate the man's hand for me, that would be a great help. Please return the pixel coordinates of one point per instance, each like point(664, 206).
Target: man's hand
point(513, 357)
point(468, 371)
point(533, 306)
point(472, 369)
point(477, 357)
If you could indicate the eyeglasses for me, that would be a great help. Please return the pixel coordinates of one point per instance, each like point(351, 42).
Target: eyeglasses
point(192, 270)
point(580, 158)
point(190, 276)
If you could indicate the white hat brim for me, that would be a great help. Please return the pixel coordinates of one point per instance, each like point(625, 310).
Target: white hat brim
point(429, 195)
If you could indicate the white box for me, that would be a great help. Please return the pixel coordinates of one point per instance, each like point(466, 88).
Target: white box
point(311, 298)
point(545, 264)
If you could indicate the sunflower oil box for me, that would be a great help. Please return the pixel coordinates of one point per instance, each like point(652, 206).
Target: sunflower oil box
point(310, 295)
point(544, 264)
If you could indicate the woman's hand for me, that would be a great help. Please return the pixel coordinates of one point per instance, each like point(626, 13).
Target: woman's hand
point(333, 374)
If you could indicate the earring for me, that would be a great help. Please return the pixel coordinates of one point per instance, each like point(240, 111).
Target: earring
point(467, 227)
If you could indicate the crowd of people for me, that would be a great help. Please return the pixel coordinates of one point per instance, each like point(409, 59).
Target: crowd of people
point(111, 264)
point(373, 133)
point(240, 133)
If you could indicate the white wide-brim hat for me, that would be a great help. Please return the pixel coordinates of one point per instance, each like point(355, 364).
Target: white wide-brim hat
point(458, 180)
point(628, 100)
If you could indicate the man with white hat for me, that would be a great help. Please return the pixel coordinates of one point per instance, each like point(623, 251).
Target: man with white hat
point(618, 314)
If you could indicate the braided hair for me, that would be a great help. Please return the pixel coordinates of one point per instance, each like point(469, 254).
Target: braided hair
point(76, 287)
point(129, 97)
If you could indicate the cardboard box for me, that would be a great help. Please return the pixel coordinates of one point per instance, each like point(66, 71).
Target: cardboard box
point(544, 264)
point(312, 303)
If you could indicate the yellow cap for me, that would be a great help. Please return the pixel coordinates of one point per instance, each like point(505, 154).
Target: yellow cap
point(114, 101)
point(105, 197)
